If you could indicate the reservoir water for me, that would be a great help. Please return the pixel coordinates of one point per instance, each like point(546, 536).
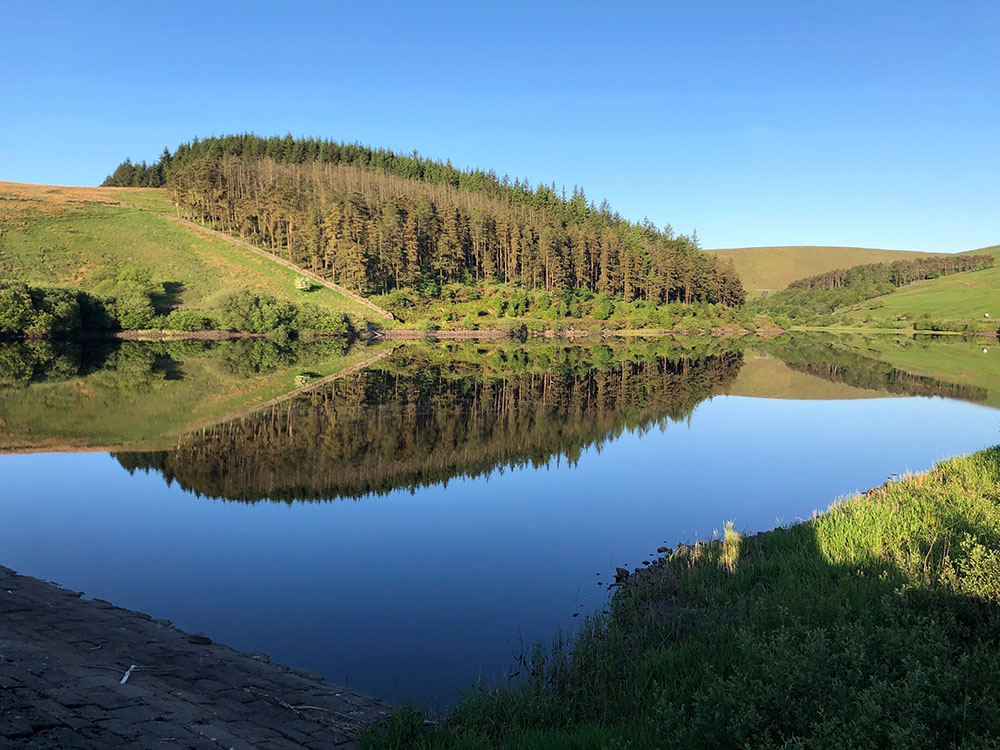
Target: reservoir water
point(410, 520)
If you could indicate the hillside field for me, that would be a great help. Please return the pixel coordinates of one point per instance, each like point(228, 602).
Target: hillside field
point(963, 297)
point(79, 237)
point(773, 268)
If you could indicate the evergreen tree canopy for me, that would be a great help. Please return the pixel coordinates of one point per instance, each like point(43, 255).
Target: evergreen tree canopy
point(374, 220)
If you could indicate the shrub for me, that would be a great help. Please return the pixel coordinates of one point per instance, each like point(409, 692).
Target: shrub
point(603, 309)
point(309, 317)
point(518, 304)
point(258, 312)
point(499, 305)
point(133, 309)
point(188, 320)
point(16, 308)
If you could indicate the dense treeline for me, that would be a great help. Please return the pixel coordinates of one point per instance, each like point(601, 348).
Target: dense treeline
point(376, 221)
point(896, 274)
point(425, 421)
point(812, 298)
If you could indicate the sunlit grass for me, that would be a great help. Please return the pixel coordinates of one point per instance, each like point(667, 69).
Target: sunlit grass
point(77, 237)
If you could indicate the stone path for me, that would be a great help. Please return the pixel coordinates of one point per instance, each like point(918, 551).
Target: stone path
point(62, 660)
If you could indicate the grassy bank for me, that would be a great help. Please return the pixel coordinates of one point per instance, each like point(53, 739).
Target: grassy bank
point(874, 624)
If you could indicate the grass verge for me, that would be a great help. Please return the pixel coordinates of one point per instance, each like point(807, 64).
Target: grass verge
point(875, 624)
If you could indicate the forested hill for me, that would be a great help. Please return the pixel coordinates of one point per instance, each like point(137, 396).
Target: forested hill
point(374, 221)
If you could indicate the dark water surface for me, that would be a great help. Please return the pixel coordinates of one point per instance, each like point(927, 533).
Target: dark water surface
point(413, 526)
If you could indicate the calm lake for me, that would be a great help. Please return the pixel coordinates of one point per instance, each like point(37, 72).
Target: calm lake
point(409, 519)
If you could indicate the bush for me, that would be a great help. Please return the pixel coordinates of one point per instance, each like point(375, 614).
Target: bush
point(499, 305)
point(309, 317)
point(133, 309)
point(603, 309)
point(258, 312)
point(16, 308)
point(518, 304)
point(188, 320)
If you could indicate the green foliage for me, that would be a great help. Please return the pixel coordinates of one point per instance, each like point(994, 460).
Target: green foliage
point(189, 320)
point(133, 309)
point(311, 318)
point(258, 312)
point(518, 304)
point(38, 312)
point(17, 310)
point(100, 248)
point(603, 309)
point(414, 223)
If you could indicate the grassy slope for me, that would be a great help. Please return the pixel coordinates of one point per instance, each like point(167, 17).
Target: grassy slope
point(872, 625)
point(962, 297)
point(65, 235)
point(143, 409)
point(776, 267)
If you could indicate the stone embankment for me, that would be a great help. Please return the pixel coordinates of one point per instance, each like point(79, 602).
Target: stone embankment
point(80, 673)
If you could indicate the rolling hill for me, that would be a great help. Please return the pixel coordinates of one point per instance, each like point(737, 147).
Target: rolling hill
point(772, 268)
point(79, 237)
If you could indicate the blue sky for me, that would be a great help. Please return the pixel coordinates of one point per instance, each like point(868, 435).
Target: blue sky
point(856, 122)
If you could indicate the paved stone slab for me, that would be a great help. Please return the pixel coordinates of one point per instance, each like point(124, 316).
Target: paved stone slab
point(62, 659)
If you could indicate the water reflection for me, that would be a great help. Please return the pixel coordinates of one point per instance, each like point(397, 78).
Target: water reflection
point(498, 478)
point(413, 420)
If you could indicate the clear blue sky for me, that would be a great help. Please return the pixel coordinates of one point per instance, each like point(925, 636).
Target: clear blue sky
point(855, 122)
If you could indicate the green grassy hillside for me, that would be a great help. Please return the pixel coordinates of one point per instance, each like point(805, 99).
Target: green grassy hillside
point(80, 237)
point(776, 267)
point(964, 297)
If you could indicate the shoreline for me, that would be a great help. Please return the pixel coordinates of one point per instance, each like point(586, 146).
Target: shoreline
point(485, 334)
point(78, 672)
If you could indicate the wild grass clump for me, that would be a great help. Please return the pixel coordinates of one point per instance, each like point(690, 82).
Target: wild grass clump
point(874, 624)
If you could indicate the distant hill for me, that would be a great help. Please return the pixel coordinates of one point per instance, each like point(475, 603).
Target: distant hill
point(773, 268)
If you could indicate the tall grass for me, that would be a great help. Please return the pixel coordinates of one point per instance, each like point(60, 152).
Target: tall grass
point(874, 624)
